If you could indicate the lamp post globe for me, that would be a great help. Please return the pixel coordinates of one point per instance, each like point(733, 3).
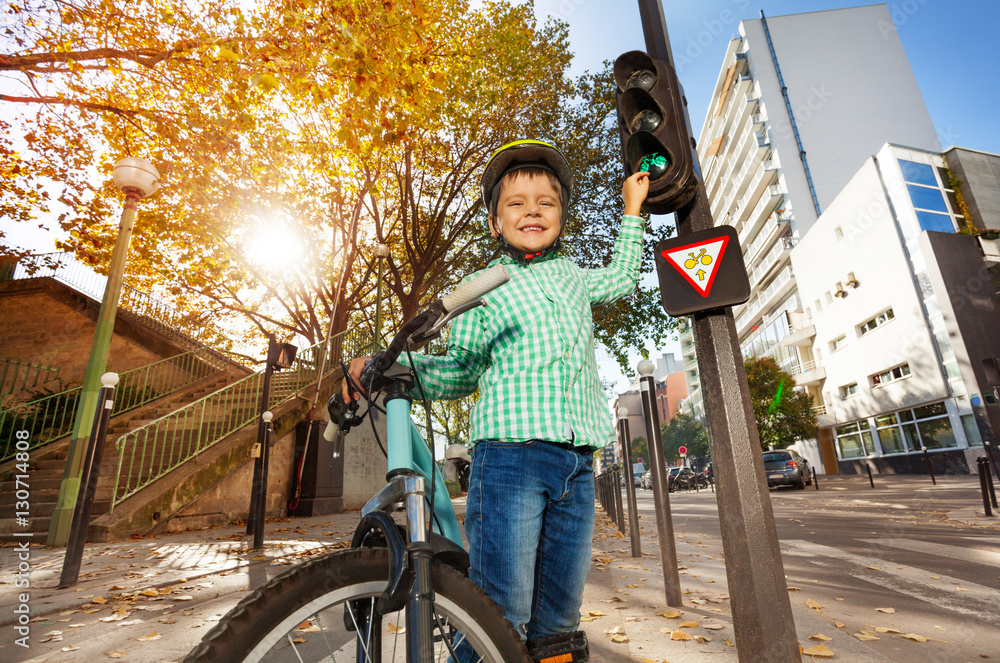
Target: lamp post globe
point(136, 177)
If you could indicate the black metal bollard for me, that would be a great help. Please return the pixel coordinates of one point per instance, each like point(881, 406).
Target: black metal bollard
point(870, 479)
point(930, 468)
point(617, 496)
point(88, 486)
point(983, 467)
point(815, 479)
point(989, 483)
point(633, 515)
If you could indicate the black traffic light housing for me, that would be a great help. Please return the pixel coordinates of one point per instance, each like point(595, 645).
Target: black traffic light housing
point(653, 129)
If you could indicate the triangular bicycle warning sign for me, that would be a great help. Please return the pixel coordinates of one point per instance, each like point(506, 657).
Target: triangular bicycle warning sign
point(701, 271)
point(698, 262)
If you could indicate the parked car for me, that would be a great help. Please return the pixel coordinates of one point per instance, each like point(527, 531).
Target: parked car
point(646, 482)
point(637, 479)
point(785, 467)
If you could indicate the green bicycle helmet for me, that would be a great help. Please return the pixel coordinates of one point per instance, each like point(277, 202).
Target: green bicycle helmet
point(516, 156)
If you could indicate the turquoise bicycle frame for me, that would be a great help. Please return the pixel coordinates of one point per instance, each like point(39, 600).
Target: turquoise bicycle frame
point(407, 450)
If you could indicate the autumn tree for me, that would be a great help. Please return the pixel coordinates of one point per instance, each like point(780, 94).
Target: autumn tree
point(684, 430)
point(783, 412)
point(312, 129)
point(640, 449)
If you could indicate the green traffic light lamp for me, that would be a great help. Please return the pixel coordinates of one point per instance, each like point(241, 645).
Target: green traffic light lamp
point(136, 178)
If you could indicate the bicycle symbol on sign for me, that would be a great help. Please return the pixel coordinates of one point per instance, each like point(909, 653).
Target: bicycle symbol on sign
point(693, 261)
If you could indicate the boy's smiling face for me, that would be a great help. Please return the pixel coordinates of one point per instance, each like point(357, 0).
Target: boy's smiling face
point(529, 212)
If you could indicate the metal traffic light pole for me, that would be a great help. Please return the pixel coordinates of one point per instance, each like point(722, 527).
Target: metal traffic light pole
point(762, 613)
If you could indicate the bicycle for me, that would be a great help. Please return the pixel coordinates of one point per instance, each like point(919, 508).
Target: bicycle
point(410, 580)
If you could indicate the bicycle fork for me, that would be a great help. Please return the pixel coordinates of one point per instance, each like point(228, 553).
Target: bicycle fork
point(410, 583)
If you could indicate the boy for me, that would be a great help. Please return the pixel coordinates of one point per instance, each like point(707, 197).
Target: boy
point(541, 413)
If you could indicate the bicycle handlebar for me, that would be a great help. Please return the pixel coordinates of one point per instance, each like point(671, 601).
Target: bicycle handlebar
point(424, 326)
point(492, 278)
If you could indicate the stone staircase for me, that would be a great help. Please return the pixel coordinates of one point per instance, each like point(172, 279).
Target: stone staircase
point(47, 464)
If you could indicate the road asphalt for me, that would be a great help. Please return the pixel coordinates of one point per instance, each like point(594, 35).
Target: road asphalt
point(150, 600)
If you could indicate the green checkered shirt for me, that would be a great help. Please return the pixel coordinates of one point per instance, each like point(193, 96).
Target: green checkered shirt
point(530, 350)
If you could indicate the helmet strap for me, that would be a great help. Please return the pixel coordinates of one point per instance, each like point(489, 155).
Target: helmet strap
point(522, 258)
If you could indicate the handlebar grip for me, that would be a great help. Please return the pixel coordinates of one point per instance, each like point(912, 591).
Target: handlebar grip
point(330, 432)
point(492, 278)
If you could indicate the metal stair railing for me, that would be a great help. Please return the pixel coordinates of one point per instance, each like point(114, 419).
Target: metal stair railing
point(63, 267)
point(153, 450)
point(51, 417)
point(18, 380)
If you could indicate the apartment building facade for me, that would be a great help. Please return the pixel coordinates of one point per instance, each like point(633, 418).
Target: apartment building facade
point(801, 103)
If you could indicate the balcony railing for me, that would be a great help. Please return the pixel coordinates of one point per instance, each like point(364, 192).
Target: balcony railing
point(805, 367)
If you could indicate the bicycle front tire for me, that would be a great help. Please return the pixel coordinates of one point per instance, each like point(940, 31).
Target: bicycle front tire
point(302, 615)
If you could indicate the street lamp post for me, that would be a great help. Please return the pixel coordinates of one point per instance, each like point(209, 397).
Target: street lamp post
point(136, 178)
point(381, 252)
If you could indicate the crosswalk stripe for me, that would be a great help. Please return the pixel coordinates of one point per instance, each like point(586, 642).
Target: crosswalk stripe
point(974, 555)
point(977, 601)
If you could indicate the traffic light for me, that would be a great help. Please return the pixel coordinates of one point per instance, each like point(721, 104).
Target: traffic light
point(653, 130)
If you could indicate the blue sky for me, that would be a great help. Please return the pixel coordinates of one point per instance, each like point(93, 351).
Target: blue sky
point(949, 44)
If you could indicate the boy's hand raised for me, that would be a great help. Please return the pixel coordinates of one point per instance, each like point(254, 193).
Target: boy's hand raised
point(634, 191)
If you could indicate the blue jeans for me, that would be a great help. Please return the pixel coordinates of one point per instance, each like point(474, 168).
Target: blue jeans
point(530, 524)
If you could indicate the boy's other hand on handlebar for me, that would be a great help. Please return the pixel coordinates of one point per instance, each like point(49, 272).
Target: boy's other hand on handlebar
point(355, 372)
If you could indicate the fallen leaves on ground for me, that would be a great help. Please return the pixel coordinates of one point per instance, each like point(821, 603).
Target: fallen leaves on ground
point(812, 604)
point(680, 635)
point(820, 636)
point(670, 614)
point(820, 650)
point(887, 611)
point(117, 653)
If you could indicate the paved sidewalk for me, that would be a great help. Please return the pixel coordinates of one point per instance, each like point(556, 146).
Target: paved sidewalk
point(154, 598)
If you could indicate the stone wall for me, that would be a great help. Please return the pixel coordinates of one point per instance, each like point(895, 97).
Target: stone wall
point(47, 322)
point(364, 465)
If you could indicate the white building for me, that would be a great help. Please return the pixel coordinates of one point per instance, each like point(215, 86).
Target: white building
point(802, 102)
point(878, 331)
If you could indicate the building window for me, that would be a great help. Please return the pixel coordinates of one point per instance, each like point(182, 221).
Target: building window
point(848, 390)
point(924, 197)
point(971, 430)
point(889, 434)
point(891, 375)
point(918, 173)
point(933, 221)
point(877, 321)
point(927, 426)
point(838, 343)
point(854, 440)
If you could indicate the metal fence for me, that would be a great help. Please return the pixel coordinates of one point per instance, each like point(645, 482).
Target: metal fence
point(17, 376)
point(51, 417)
point(150, 452)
